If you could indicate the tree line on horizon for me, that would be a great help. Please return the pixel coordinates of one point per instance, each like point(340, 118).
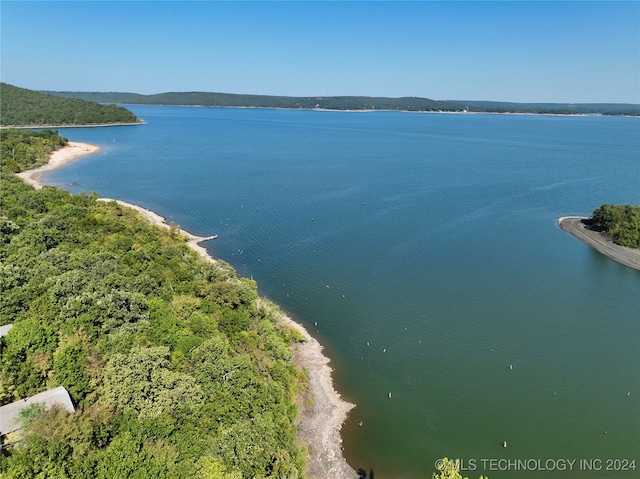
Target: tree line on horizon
point(267, 101)
point(176, 367)
point(23, 108)
point(213, 99)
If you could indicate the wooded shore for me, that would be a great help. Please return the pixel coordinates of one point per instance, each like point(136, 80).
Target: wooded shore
point(322, 411)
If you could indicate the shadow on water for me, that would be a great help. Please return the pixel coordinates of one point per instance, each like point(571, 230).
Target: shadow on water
point(362, 474)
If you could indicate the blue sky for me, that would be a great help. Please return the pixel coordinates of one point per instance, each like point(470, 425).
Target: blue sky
point(507, 51)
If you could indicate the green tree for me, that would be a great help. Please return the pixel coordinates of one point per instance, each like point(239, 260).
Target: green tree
point(142, 381)
point(209, 467)
point(620, 223)
point(174, 363)
point(449, 469)
point(70, 367)
point(22, 107)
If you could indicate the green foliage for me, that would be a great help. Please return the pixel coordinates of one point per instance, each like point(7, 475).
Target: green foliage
point(620, 223)
point(70, 366)
point(351, 103)
point(209, 467)
point(628, 109)
point(449, 469)
point(30, 413)
point(21, 150)
point(22, 107)
point(143, 381)
point(175, 366)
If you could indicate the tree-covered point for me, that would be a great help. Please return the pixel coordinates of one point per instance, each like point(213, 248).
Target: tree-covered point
point(176, 367)
point(22, 107)
point(22, 150)
point(620, 223)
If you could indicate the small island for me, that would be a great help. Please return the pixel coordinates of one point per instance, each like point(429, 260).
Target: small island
point(613, 230)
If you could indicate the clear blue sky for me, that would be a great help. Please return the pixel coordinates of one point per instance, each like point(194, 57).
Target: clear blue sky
point(507, 51)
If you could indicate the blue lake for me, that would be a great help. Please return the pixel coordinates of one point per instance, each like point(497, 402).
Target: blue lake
point(426, 249)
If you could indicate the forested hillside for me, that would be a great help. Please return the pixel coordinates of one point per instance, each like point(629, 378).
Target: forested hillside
point(22, 151)
point(22, 107)
point(620, 223)
point(612, 109)
point(266, 101)
point(351, 103)
point(176, 368)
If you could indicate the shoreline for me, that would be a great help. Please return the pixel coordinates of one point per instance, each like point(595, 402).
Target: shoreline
point(193, 241)
point(91, 125)
point(368, 110)
point(321, 409)
point(60, 157)
point(574, 226)
point(320, 418)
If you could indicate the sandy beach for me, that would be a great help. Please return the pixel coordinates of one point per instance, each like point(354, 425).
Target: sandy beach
point(575, 226)
point(58, 158)
point(321, 411)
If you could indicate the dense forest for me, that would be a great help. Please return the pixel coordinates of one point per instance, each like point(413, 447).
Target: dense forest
point(351, 103)
point(612, 109)
point(620, 223)
point(20, 151)
point(176, 367)
point(264, 101)
point(22, 107)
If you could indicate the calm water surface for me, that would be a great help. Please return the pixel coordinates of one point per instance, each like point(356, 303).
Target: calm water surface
point(425, 247)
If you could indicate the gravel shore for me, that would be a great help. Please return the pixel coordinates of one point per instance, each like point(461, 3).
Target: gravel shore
point(576, 226)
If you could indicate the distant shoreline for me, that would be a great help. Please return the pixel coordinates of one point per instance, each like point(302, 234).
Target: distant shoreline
point(321, 418)
point(96, 125)
point(575, 226)
point(350, 103)
point(371, 110)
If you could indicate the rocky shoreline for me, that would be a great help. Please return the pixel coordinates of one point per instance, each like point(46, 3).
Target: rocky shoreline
point(577, 227)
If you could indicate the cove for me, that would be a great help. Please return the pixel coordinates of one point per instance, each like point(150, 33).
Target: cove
point(422, 251)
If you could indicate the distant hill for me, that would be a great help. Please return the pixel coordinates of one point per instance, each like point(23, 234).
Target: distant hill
point(628, 109)
point(22, 107)
point(349, 103)
point(266, 101)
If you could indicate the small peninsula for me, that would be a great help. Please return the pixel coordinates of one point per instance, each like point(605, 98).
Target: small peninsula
point(612, 230)
point(22, 108)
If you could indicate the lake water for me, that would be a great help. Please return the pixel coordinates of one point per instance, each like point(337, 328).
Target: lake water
point(426, 249)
